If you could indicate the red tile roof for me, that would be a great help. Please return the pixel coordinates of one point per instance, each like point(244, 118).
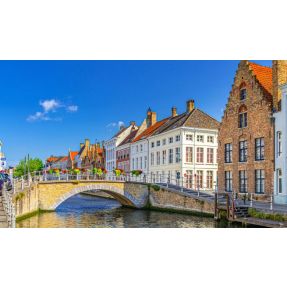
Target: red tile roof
point(73, 154)
point(263, 74)
point(149, 131)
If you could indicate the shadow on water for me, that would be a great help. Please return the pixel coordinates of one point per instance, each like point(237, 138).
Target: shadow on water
point(84, 211)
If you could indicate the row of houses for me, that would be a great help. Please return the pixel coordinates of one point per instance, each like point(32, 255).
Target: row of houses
point(181, 145)
point(88, 156)
point(245, 152)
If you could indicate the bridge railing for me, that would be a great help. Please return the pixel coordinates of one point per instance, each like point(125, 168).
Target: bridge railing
point(9, 207)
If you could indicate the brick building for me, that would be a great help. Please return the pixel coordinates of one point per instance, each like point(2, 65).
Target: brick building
point(246, 134)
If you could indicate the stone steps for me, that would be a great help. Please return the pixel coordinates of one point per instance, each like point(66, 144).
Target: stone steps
point(3, 219)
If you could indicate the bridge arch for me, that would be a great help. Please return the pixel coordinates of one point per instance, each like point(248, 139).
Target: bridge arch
point(117, 193)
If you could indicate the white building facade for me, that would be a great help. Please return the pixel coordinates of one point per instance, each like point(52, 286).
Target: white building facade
point(139, 156)
point(111, 145)
point(280, 173)
point(185, 156)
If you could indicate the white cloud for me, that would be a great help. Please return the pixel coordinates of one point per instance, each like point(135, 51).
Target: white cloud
point(38, 116)
point(116, 124)
point(72, 108)
point(50, 105)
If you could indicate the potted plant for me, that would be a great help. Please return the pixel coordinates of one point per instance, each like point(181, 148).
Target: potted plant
point(137, 172)
point(118, 172)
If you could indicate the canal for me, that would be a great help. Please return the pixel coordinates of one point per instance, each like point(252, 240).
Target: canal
point(84, 211)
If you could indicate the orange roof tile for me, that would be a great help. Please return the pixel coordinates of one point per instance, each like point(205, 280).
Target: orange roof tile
point(263, 75)
point(52, 159)
point(149, 131)
point(73, 155)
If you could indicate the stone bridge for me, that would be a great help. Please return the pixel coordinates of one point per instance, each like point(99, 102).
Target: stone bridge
point(48, 195)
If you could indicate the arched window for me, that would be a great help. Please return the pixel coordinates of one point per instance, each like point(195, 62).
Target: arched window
point(242, 91)
point(242, 118)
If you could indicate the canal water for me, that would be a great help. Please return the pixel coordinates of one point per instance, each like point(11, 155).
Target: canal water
point(84, 211)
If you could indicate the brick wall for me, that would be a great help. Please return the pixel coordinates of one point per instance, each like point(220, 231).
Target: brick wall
point(259, 109)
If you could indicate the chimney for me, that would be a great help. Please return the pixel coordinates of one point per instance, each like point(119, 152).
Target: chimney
point(189, 105)
point(173, 111)
point(151, 118)
point(87, 143)
point(279, 77)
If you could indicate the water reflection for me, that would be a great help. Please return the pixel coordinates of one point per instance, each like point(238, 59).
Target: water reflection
point(83, 211)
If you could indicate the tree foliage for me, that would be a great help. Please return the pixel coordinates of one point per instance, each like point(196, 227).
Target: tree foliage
point(34, 164)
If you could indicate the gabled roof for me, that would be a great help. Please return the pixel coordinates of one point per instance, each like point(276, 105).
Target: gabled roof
point(263, 74)
point(63, 159)
point(82, 150)
point(129, 138)
point(149, 131)
point(120, 132)
point(53, 159)
point(196, 119)
point(73, 154)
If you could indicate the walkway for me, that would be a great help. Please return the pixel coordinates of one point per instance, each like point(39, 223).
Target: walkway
point(259, 205)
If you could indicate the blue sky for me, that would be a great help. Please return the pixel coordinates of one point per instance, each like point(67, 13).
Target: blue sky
point(48, 107)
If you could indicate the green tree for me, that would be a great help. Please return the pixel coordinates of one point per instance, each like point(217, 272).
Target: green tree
point(34, 164)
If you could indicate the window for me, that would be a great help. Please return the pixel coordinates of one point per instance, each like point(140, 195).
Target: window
point(158, 143)
point(228, 153)
point(170, 156)
point(279, 181)
point(259, 149)
point(199, 179)
point(137, 163)
point(279, 144)
point(163, 141)
point(151, 159)
point(137, 148)
point(141, 162)
point(177, 155)
point(188, 154)
point(243, 151)
point(228, 181)
point(209, 180)
point(133, 164)
point(189, 179)
point(242, 119)
point(170, 140)
point(163, 156)
point(199, 155)
point(152, 144)
point(145, 162)
point(210, 155)
point(200, 138)
point(243, 94)
point(210, 139)
point(177, 138)
point(242, 181)
point(141, 147)
point(189, 137)
point(259, 181)
point(157, 158)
